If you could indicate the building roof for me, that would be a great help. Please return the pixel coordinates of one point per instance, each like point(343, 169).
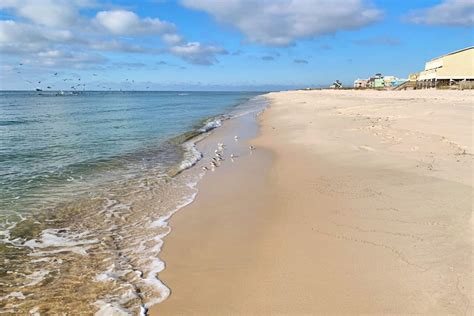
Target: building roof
point(455, 52)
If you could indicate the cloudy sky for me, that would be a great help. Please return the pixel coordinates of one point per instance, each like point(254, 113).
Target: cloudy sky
point(222, 44)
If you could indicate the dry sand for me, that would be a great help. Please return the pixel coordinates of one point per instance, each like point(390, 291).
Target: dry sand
point(355, 202)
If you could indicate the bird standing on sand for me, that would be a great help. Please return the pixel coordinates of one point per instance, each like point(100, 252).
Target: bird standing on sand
point(236, 138)
point(251, 147)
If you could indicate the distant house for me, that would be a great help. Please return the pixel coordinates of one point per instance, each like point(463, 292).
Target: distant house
point(336, 85)
point(375, 81)
point(453, 68)
point(379, 81)
point(392, 81)
point(360, 83)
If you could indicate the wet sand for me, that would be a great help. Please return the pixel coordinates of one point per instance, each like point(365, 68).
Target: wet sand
point(354, 202)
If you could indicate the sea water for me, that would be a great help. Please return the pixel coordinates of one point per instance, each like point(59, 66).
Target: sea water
point(87, 184)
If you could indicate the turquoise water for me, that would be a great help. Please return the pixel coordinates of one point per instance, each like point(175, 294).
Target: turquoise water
point(87, 182)
point(48, 141)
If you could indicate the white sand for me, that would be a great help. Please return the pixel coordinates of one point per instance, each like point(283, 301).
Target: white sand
point(361, 203)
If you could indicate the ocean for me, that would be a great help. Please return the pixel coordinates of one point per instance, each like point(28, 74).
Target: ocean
point(87, 183)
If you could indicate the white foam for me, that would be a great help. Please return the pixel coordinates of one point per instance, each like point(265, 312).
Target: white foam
point(17, 295)
point(149, 274)
point(158, 265)
point(36, 277)
point(110, 309)
point(107, 275)
point(191, 156)
point(50, 238)
point(211, 125)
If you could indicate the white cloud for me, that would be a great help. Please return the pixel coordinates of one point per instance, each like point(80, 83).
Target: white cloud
point(281, 22)
point(52, 13)
point(115, 46)
point(122, 22)
point(448, 12)
point(62, 58)
point(20, 37)
point(197, 53)
point(172, 38)
point(47, 39)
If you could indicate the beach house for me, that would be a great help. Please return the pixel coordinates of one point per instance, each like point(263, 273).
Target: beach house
point(360, 83)
point(379, 81)
point(375, 81)
point(455, 68)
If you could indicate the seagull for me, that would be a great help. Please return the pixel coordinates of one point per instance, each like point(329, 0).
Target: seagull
point(205, 168)
point(232, 156)
point(236, 138)
point(251, 147)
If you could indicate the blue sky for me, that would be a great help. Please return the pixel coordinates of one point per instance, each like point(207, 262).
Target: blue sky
point(222, 44)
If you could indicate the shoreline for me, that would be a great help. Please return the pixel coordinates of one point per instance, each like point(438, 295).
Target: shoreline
point(112, 237)
point(341, 209)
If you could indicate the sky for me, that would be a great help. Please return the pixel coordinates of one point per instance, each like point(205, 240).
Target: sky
point(222, 44)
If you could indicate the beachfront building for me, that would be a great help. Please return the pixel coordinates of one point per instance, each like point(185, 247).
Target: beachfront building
point(336, 85)
point(379, 81)
point(456, 68)
point(360, 83)
point(375, 81)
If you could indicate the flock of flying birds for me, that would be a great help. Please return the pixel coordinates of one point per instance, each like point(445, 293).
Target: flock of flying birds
point(77, 84)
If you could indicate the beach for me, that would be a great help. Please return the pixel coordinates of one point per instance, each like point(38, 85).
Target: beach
point(353, 202)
